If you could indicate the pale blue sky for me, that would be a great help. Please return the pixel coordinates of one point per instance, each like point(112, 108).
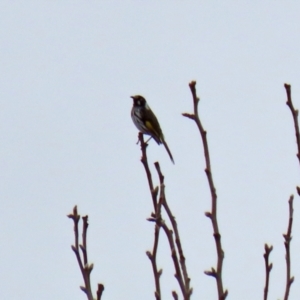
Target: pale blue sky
point(67, 70)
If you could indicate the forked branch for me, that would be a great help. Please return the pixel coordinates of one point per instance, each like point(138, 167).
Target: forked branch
point(155, 217)
point(82, 260)
point(288, 235)
point(181, 273)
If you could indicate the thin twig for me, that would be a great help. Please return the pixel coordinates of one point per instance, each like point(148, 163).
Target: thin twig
point(175, 296)
point(217, 274)
point(269, 267)
point(84, 244)
point(287, 241)
point(169, 233)
point(152, 256)
point(154, 217)
point(100, 291)
point(294, 112)
point(84, 266)
point(288, 235)
point(188, 291)
point(178, 275)
point(183, 280)
point(146, 166)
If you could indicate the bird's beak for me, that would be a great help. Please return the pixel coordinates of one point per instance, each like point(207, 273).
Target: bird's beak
point(132, 97)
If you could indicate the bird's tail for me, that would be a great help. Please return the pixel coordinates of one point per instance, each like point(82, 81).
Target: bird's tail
point(168, 150)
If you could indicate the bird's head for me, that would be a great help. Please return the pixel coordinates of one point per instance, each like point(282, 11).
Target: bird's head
point(138, 100)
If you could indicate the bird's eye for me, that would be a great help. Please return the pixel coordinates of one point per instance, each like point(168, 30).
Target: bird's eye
point(138, 102)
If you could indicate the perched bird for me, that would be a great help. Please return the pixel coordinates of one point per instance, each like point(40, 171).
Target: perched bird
point(146, 122)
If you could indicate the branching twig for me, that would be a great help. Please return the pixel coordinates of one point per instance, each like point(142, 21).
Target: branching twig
point(288, 235)
point(84, 266)
point(213, 214)
point(152, 256)
point(188, 291)
point(180, 269)
point(154, 216)
point(294, 112)
point(178, 275)
point(287, 241)
point(269, 267)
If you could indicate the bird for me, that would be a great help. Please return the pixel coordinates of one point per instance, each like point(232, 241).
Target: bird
point(146, 122)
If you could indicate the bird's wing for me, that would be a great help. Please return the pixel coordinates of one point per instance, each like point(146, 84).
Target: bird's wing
point(153, 126)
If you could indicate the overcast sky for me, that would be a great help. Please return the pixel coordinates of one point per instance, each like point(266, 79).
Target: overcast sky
point(67, 71)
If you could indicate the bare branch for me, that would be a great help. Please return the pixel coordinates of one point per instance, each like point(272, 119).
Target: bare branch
point(100, 291)
point(146, 166)
point(213, 214)
point(180, 275)
point(84, 245)
point(269, 267)
point(288, 235)
point(155, 217)
point(287, 241)
point(169, 233)
point(294, 112)
point(175, 296)
point(298, 190)
point(181, 270)
point(84, 266)
point(152, 256)
point(188, 290)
